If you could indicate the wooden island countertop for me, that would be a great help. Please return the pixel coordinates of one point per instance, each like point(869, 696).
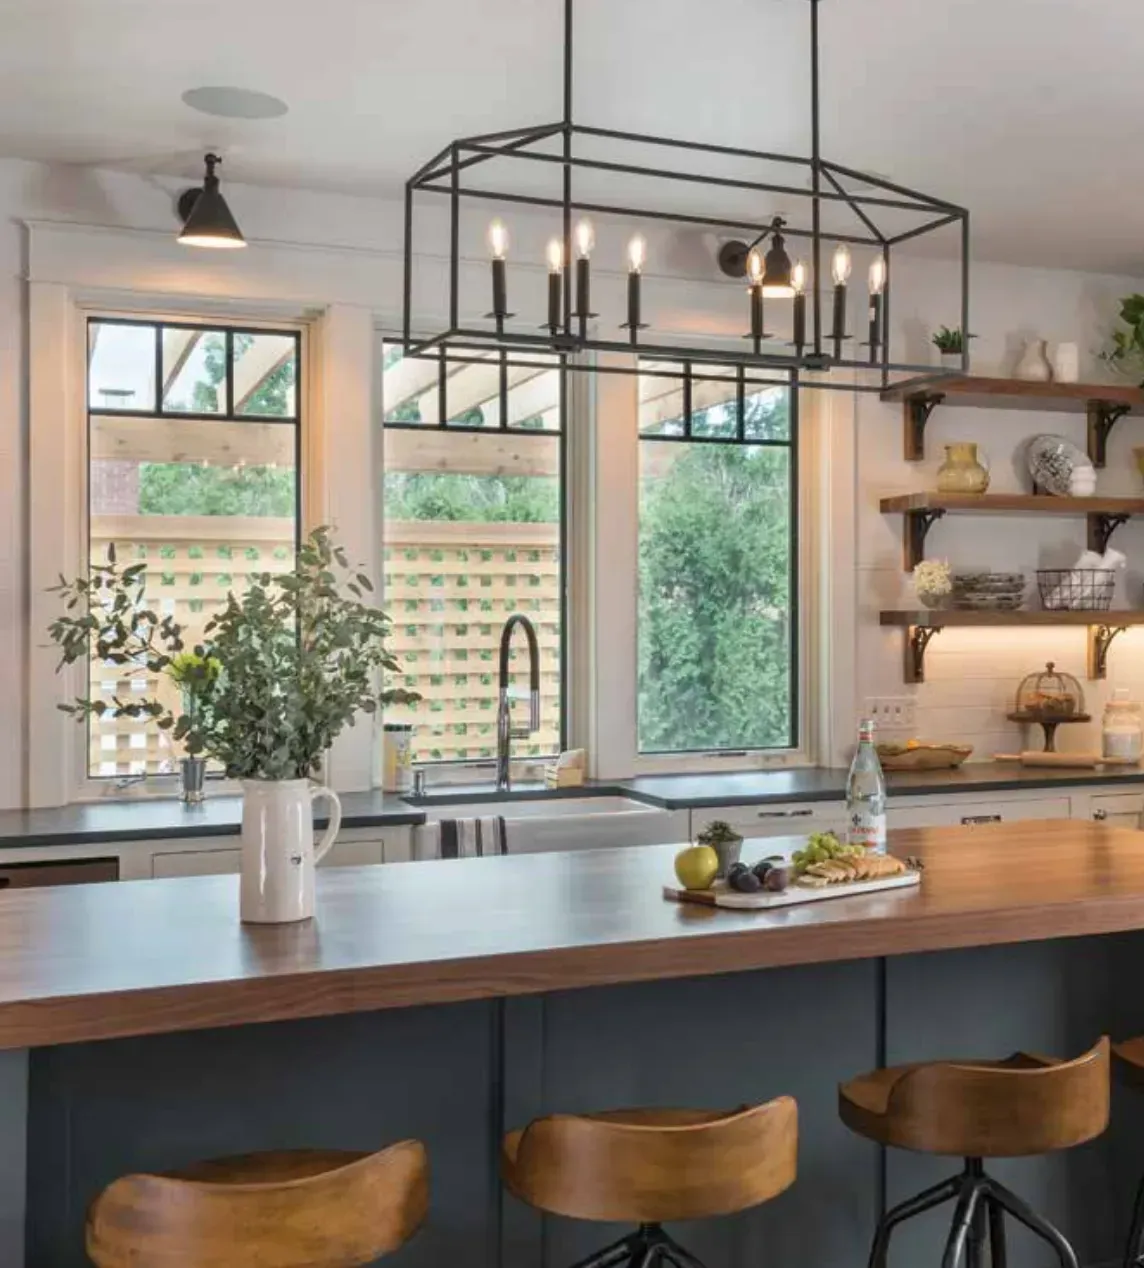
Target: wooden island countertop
point(145, 957)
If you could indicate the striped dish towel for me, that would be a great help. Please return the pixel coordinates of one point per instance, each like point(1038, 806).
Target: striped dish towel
point(460, 839)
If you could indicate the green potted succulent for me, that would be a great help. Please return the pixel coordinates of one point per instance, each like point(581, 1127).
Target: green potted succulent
point(950, 343)
point(281, 671)
point(725, 841)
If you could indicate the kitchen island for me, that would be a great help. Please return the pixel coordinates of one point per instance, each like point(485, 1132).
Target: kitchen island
point(448, 1001)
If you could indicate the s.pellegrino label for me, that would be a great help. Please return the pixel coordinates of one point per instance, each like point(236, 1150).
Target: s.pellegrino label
point(866, 794)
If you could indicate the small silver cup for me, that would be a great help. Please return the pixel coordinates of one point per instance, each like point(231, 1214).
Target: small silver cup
point(193, 771)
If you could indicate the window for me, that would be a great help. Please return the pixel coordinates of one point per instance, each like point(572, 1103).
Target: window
point(717, 620)
point(193, 441)
point(473, 499)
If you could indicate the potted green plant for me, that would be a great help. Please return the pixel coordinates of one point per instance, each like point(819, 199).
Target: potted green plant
point(950, 343)
point(1126, 356)
point(299, 655)
point(725, 841)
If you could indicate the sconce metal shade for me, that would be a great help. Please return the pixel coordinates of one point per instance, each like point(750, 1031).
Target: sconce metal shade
point(777, 271)
point(207, 220)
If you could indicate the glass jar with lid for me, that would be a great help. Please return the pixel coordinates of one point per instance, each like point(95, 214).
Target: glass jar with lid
point(1122, 729)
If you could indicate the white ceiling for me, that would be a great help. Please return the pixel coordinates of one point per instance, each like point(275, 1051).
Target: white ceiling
point(1026, 111)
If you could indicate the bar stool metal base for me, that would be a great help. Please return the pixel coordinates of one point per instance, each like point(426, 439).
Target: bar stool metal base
point(978, 1219)
point(1134, 1251)
point(648, 1247)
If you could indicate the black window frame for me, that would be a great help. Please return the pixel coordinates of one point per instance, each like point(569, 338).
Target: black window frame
point(92, 411)
point(560, 368)
point(743, 388)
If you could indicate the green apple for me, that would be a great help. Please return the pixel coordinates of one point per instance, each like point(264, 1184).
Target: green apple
point(697, 866)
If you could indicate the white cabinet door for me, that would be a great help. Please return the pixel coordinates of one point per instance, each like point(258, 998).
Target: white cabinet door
point(194, 863)
point(1122, 809)
point(952, 814)
point(794, 819)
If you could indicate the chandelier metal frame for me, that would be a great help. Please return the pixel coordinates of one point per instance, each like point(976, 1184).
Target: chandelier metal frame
point(567, 340)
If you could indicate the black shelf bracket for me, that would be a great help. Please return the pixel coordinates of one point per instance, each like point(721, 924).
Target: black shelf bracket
point(916, 410)
point(917, 640)
point(915, 529)
point(1102, 417)
point(1099, 641)
point(1101, 528)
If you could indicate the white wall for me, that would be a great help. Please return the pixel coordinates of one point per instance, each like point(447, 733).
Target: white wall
point(970, 672)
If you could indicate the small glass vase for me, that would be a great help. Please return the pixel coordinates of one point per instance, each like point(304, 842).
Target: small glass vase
point(193, 780)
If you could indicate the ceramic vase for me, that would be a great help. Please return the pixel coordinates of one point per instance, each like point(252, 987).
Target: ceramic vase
point(1066, 363)
point(962, 471)
point(1034, 365)
point(278, 850)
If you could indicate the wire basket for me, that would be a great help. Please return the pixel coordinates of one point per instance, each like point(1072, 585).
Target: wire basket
point(1076, 589)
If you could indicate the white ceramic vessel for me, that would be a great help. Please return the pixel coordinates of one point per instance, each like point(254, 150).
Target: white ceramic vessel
point(278, 850)
point(1034, 364)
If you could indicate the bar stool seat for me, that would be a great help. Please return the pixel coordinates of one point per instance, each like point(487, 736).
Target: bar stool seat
point(1129, 1055)
point(300, 1209)
point(648, 1166)
point(1018, 1107)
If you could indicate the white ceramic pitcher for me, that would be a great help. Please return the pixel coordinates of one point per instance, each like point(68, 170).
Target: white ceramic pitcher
point(278, 850)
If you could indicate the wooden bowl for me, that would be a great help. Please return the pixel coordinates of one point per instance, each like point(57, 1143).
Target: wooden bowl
point(923, 756)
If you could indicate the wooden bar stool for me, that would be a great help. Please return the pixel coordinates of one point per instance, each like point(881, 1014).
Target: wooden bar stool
point(307, 1209)
point(974, 1110)
point(645, 1167)
point(1130, 1059)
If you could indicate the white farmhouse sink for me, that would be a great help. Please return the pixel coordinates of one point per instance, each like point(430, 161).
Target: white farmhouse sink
point(573, 823)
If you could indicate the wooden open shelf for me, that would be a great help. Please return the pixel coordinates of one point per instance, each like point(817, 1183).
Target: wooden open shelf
point(1104, 404)
point(921, 624)
point(922, 510)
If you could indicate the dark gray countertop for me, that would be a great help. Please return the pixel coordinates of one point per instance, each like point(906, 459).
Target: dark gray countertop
point(146, 820)
point(679, 792)
point(108, 822)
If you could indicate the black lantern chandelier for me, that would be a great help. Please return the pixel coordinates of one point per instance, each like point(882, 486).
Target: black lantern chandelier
point(844, 213)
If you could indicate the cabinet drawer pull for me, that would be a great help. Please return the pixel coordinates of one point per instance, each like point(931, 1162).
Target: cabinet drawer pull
point(785, 814)
point(1100, 815)
point(970, 820)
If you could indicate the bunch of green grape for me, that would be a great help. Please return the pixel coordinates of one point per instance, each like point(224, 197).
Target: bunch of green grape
point(820, 847)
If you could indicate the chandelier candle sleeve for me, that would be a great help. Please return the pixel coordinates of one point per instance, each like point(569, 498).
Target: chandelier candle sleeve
point(798, 282)
point(498, 245)
point(877, 289)
point(840, 270)
point(755, 276)
point(555, 283)
point(585, 241)
point(637, 254)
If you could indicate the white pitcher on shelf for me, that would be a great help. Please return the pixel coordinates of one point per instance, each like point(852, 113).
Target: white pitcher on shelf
point(278, 851)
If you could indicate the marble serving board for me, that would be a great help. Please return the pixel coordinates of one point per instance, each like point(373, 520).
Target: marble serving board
point(720, 895)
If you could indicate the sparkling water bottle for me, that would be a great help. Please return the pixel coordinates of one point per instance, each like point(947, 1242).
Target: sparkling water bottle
point(866, 794)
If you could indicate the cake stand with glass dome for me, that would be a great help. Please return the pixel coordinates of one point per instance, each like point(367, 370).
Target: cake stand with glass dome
point(1050, 699)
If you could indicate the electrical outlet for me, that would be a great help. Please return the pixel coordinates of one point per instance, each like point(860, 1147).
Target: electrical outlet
point(892, 713)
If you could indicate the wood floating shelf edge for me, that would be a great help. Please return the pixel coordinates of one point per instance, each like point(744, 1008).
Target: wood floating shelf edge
point(921, 625)
point(922, 510)
point(1104, 403)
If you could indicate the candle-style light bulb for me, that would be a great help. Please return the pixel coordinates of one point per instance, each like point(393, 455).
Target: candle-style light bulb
point(637, 254)
point(555, 256)
point(498, 239)
point(755, 267)
point(555, 283)
point(841, 264)
point(798, 277)
point(878, 276)
point(585, 239)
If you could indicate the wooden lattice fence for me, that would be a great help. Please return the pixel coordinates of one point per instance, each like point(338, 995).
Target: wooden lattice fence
point(448, 586)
